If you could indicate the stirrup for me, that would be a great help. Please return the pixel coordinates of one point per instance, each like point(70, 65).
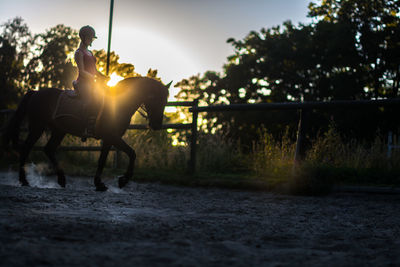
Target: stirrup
point(85, 135)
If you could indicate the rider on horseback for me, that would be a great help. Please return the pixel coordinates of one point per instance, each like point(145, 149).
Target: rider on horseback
point(88, 72)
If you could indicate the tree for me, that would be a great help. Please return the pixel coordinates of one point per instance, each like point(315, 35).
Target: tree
point(45, 60)
point(124, 70)
point(52, 64)
point(15, 43)
point(376, 26)
point(350, 52)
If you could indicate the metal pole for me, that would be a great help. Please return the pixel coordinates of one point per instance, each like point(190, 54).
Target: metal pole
point(390, 144)
point(193, 140)
point(117, 155)
point(301, 136)
point(109, 36)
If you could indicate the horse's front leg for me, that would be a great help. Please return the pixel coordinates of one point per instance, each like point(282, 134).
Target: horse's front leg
point(50, 150)
point(100, 186)
point(121, 145)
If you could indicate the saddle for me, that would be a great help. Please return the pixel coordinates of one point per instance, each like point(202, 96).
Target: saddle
point(71, 105)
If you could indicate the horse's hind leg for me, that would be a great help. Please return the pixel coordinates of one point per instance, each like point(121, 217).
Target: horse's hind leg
point(50, 150)
point(33, 136)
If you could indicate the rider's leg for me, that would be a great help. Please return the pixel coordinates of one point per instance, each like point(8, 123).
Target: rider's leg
point(86, 93)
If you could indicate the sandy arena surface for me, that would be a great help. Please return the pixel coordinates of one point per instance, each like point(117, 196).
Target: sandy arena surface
point(158, 225)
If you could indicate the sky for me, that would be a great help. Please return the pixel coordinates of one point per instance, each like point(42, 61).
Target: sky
point(180, 38)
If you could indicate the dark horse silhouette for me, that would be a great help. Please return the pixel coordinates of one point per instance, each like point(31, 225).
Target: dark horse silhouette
point(119, 106)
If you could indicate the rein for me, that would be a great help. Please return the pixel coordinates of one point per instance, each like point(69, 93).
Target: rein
point(142, 111)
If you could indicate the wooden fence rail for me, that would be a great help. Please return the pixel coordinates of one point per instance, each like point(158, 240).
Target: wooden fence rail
point(303, 107)
point(304, 110)
point(299, 105)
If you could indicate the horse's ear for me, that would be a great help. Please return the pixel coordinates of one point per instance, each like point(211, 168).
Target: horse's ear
point(169, 84)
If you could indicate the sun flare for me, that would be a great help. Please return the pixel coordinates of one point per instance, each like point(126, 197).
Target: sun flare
point(114, 79)
point(145, 48)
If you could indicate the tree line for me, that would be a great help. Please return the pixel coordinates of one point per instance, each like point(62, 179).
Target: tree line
point(45, 60)
point(350, 51)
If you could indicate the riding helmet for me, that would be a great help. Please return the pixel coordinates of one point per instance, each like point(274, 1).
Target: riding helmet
point(87, 31)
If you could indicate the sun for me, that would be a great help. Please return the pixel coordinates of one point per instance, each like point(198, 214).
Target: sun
point(114, 79)
point(146, 48)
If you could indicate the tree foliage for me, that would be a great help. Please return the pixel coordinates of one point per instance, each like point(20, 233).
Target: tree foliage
point(45, 60)
point(350, 51)
point(15, 42)
point(52, 63)
point(124, 70)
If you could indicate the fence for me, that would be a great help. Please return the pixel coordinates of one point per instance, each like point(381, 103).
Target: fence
point(180, 126)
point(391, 144)
point(303, 107)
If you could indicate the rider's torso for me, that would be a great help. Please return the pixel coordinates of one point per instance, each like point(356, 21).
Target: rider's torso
point(89, 62)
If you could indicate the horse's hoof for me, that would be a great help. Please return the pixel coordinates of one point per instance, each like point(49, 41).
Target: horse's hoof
point(122, 181)
point(101, 187)
point(24, 183)
point(61, 182)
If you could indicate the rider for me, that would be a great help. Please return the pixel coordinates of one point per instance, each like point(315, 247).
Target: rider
point(87, 74)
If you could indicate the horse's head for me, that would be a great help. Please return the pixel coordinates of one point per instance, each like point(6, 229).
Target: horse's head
point(155, 101)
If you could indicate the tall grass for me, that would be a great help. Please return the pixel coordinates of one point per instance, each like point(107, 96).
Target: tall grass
point(354, 161)
point(329, 160)
point(154, 150)
point(270, 158)
point(330, 149)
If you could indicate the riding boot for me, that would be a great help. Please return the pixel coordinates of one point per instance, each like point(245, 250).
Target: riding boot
point(90, 128)
point(91, 125)
point(90, 121)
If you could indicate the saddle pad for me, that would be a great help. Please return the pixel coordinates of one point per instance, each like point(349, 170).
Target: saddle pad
point(68, 105)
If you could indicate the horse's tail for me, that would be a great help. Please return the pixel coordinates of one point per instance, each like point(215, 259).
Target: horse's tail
point(12, 129)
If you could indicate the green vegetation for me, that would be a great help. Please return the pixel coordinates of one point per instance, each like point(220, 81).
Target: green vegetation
point(45, 60)
point(221, 163)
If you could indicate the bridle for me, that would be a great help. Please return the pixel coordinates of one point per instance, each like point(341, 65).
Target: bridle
point(142, 111)
point(142, 108)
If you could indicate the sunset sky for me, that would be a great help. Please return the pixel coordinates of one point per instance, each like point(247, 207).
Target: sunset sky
point(180, 38)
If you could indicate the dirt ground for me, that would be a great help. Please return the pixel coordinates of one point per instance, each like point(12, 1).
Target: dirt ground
point(158, 225)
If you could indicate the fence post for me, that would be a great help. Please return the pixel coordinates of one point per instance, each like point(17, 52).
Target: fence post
point(301, 135)
point(193, 139)
point(390, 144)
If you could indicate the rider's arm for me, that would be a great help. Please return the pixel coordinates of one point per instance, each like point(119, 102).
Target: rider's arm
point(101, 75)
point(81, 66)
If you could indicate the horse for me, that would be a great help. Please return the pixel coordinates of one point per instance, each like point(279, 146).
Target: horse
point(119, 105)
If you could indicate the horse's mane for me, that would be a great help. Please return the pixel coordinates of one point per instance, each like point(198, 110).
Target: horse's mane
point(127, 85)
